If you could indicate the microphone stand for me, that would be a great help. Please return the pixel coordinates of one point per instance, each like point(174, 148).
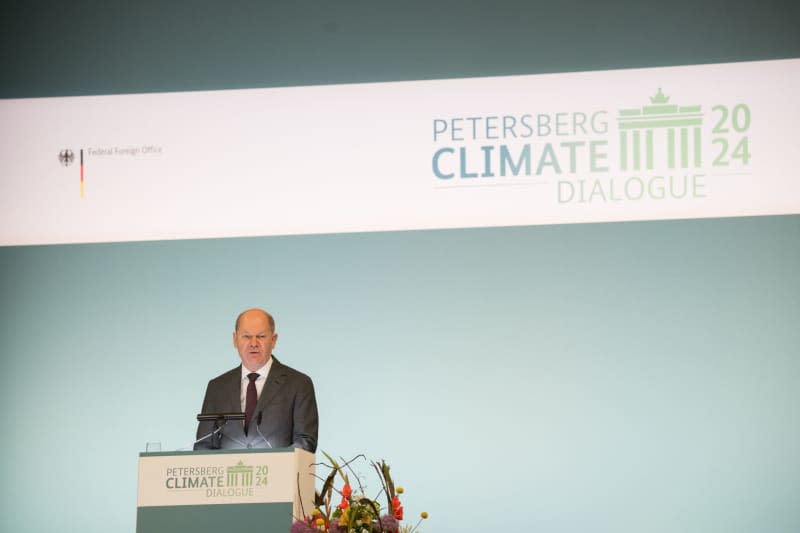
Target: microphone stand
point(220, 419)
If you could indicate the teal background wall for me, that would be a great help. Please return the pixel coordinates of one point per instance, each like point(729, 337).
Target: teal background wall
point(611, 377)
point(50, 48)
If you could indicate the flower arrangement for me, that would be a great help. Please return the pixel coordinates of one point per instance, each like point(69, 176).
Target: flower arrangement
point(355, 512)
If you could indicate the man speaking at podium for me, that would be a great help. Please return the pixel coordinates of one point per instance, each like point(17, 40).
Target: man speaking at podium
point(278, 402)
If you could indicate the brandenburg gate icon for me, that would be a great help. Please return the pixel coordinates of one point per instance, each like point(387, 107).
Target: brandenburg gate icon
point(240, 475)
point(681, 124)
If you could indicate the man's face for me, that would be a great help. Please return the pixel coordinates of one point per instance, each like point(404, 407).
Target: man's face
point(254, 340)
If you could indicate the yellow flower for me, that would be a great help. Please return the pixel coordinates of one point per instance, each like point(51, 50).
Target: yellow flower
point(320, 521)
point(424, 515)
point(399, 490)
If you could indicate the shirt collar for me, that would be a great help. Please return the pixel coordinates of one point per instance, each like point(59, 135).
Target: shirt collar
point(262, 372)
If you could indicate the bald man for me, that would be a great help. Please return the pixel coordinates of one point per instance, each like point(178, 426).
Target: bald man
point(279, 403)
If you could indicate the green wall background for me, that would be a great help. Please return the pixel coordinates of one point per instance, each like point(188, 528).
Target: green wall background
point(610, 377)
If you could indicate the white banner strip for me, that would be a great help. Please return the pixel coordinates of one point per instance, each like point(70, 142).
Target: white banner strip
point(661, 143)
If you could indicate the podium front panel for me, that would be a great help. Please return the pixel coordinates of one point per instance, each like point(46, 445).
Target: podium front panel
point(246, 517)
point(235, 489)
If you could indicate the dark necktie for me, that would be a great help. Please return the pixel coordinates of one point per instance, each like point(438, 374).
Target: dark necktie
point(250, 402)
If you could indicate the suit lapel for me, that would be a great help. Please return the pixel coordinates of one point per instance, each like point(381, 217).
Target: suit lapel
point(275, 380)
point(234, 383)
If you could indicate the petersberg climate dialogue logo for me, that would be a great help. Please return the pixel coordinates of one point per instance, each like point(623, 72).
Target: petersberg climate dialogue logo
point(653, 151)
point(239, 480)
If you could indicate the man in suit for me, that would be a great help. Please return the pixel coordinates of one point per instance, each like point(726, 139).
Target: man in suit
point(279, 403)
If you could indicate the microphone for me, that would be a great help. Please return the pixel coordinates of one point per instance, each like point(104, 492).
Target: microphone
point(219, 419)
point(204, 437)
point(215, 444)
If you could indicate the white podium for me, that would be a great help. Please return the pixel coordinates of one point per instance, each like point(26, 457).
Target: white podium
point(224, 490)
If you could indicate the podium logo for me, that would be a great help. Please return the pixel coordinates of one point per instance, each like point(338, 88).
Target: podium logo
point(239, 480)
point(240, 475)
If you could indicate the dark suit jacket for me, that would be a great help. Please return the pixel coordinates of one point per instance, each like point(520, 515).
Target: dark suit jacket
point(287, 408)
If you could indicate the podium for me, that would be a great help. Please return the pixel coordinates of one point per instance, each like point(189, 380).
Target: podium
point(224, 490)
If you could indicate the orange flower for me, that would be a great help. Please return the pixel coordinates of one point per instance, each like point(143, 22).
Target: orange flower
point(345, 504)
point(397, 508)
point(347, 491)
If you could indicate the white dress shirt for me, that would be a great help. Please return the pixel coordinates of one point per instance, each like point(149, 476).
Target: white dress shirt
point(262, 372)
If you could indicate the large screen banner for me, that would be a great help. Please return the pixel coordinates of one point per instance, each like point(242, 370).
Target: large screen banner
point(643, 144)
